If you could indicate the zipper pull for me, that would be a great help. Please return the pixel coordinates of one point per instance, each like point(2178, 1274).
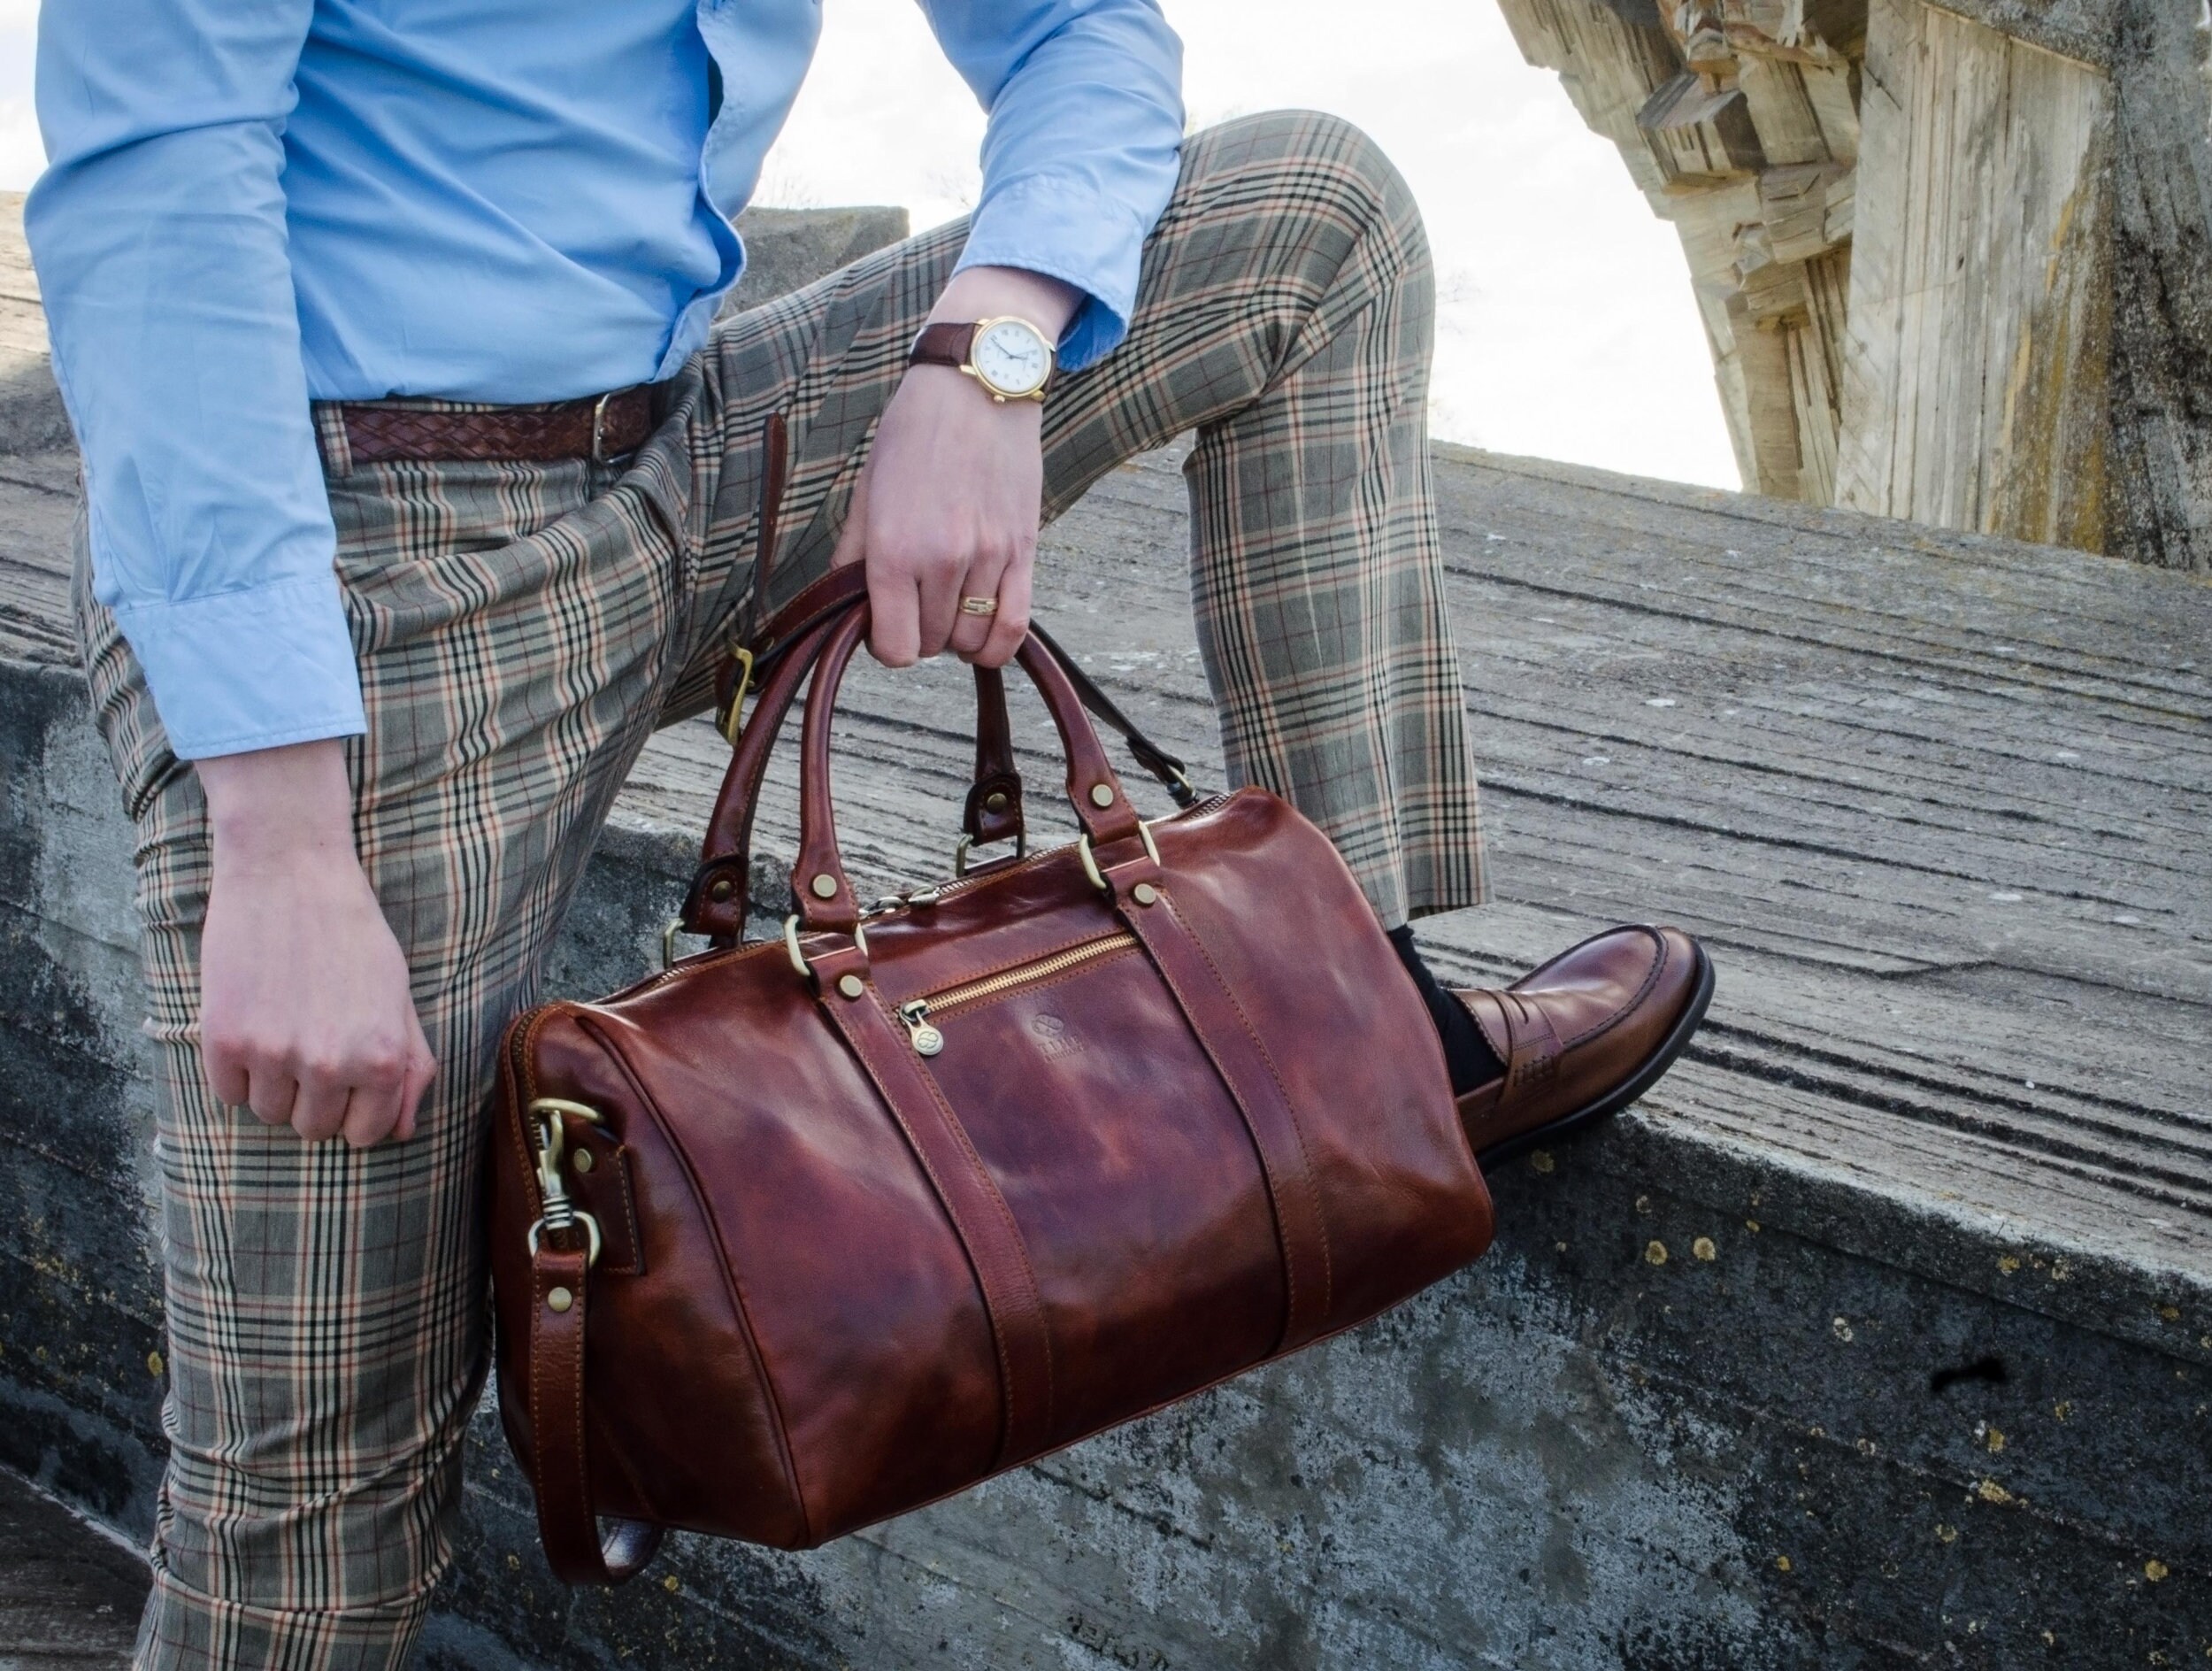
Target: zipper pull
point(927, 1040)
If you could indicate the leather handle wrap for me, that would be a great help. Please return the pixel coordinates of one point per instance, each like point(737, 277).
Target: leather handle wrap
point(993, 810)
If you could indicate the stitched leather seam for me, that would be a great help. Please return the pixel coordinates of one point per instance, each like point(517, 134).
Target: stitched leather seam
point(1651, 979)
point(619, 1165)
point(1275, 1186)
point(1267, 1170)
point(540, 1469)
point(998, 1199)
point(1500, 1048)
point(1290, 1110)
point(952, 1215)
point(733, 1286)
point(572, 1326)
point(525, 1056)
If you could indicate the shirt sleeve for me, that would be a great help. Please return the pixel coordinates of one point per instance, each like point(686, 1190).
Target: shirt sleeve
point(159, 234)
point(1085, 138)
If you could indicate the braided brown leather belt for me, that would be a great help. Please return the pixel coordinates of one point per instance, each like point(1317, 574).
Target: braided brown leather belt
point(598, 427)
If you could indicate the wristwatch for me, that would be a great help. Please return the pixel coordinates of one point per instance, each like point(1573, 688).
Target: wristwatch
point(1010, 356)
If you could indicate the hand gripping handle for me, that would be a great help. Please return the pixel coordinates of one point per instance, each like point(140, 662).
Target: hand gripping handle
point(820, 884)
point(718, 900)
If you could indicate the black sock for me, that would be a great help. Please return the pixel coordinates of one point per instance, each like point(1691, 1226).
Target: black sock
point(1469, 1056)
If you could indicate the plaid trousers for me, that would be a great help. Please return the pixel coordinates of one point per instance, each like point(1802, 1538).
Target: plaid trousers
point(521, 628)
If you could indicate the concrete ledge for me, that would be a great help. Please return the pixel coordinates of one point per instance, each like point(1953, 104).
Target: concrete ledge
point(1850, 1347)
point(1879, 1335)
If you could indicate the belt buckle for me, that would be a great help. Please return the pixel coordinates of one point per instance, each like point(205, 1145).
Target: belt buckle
point(599, 427)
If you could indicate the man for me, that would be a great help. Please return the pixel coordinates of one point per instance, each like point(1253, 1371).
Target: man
point(420, 488)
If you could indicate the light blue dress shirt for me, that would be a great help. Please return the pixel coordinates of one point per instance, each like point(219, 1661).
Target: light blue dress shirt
point(254, 204)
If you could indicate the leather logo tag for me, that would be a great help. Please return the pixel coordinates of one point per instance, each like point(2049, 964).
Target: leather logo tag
point(1055, 1037)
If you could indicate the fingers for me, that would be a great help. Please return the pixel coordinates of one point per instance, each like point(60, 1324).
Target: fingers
point(1005, 630)
point(894, 630)
point(272, 1093)
point(384, 1104)
point(984, 579)
point(225, 1069)
point(852, 539)
point(939, 581)
point(422, 1069)
point(366, 1097)
point(319, 1111)
point(371, 1109)
point(894, 634)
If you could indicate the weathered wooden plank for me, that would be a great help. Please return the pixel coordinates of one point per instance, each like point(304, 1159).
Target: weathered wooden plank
point(1978, 358)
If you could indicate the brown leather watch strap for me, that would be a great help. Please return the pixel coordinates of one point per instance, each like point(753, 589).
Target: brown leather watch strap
point(600, 426)
point(559, 1470)
point(947, 343)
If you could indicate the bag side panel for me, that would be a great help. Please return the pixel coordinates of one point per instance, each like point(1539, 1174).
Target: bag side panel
point(681, 1423)
point(1132, 1181)
point(1300, 951)
point(870, 1325)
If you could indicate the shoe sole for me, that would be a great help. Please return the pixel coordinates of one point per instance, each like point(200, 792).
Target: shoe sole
point(1645, 1077)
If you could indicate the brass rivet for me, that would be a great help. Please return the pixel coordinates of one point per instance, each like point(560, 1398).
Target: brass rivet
point(558, 1299)
point(995, 801)
point(722, 890)
point(1102, 795)
point(825, 886)
point(584, 1162)
point(1144, 893)
point(850, 985)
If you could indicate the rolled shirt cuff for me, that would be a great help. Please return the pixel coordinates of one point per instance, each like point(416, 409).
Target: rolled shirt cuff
point(255, 669)
point(1067, 231)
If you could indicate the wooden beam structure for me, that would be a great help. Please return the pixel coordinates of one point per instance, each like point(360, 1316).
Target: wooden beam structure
point(1955, 262)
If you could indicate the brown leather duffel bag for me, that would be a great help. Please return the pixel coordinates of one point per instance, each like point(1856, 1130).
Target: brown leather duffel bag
point(800, 1235)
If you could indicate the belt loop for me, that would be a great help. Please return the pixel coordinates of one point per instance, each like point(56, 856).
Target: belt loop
point(599, 427)
point(332, 439)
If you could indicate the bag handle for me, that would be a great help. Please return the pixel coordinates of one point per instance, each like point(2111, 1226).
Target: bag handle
point(721, 888)
point(717, 902)
point(819, 885)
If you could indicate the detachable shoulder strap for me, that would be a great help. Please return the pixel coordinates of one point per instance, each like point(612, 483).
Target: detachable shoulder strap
point(574, 1548)
point(1142, 749)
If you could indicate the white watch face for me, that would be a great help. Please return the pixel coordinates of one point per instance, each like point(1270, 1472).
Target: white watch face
point(1011, 357)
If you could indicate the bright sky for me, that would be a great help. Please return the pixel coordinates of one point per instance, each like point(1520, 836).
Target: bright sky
point(1566, 326)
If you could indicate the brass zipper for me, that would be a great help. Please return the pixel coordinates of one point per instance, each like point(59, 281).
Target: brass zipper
point(916, 1013)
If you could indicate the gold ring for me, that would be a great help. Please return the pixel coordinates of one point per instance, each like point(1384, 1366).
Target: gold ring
point(979, 606)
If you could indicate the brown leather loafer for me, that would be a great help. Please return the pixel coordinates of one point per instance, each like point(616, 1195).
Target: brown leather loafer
point(1584, 1035)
